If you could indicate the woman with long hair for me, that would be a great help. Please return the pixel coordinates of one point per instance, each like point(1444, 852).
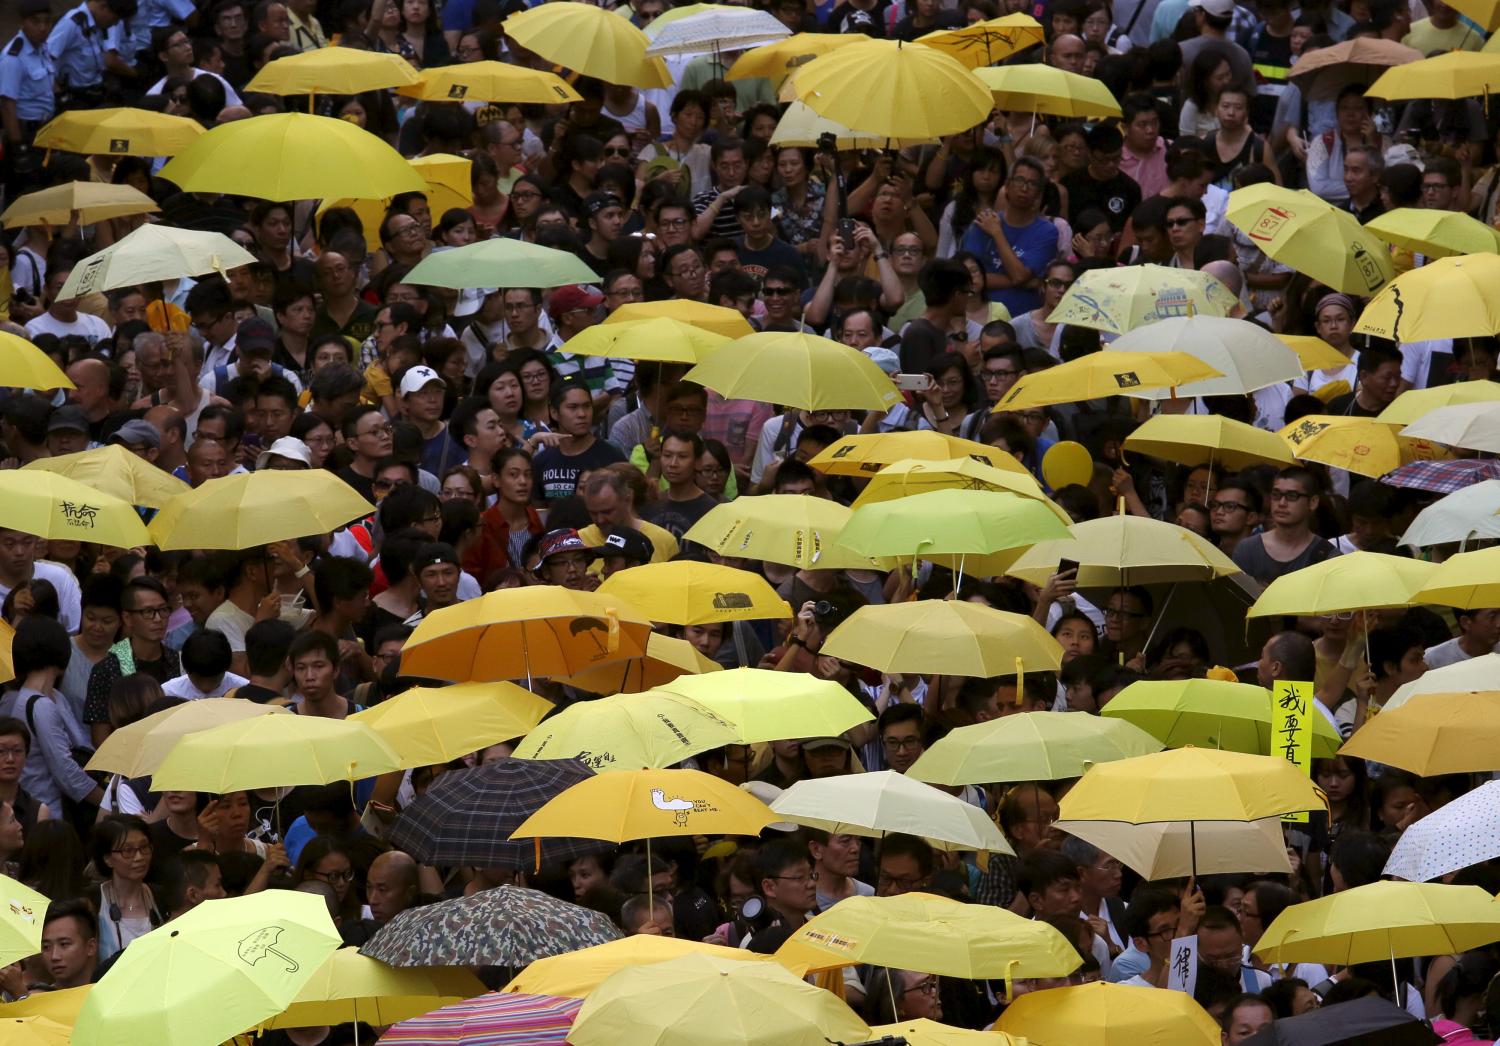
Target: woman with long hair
point(1209, 74)
point(980, 192)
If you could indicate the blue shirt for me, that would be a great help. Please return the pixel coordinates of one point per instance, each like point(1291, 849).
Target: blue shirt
point(26, 77)
point(130, 38)
point(76, 45)
point(1035, 245)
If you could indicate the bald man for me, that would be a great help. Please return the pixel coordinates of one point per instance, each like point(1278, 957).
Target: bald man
point(390, 888)
point(1228, 273)
point(206, 460)
point(92, 393)
point(342, 310)
point(168, 421)
point(1067, 53)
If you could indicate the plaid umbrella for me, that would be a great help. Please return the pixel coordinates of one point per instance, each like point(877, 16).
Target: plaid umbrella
point(467, 818)
point(506, 926)
point(1443, 477)
point(491, 1020)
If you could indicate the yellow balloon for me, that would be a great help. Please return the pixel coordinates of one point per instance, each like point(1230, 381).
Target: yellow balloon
point(1067, 463)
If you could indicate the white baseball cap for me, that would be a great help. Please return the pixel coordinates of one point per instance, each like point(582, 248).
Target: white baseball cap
point(418, 378)
point(289, 447)
point(1216, 8)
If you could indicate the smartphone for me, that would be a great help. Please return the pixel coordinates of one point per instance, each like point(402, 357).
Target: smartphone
point(846, 232)
point(913, 382)
point(1065, 565)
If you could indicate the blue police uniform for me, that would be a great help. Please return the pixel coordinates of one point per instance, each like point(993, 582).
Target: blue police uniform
point(130, 38)
point(26, 75)
point(76, 45)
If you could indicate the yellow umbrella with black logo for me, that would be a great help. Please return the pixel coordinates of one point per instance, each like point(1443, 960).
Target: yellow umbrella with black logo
point(687, 593)
point(118, 132)
point(1101, 374)
point(333, 70)
point(490, 81)
point(1365, 446)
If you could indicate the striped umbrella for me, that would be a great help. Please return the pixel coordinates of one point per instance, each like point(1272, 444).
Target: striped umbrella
point(1443, 477)
point(491, 1020)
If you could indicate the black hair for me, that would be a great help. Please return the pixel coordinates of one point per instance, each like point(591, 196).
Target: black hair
point(266, 646)
point(206, 653)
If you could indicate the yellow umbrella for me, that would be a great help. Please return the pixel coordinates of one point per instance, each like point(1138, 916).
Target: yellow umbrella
point(1190, 784)
point(1199, 439)
point(1437, 234)
point(274, 751)
point(575, 975)
point(988, 42)
point(81, 202)
point(1414, 404)
point(1177, 849)
point(34, 1031)
point(333, 70)
point(1457, 74)
point(1438, 734)
point(62, 509)
point(155, 252)
point(1357, 581)
point(490, 81)
point(136, 750)
point(20, 921)
point(702, 1000)
point(61, 1005)
point(430, 725)
point(1045, 90)
point(776, 61)
point(1313, 352)
point(543, 630)
point(1029, 746)
point(797, 530)
point(763, 705)
point(713, 318)
point(913, 476)
point(688, 593)
point(591, 41)
point(350, 987)
point(1365, 446)
point(944, 636)
point(625, 732)
point(796, 370)
point(1446, 298)
point(116, 471)
point(1120, 299)
point(665, 659)
point(660, 340)
point(894, 89)
point(448, 187)
point(1306, 233)
point(24, 366)
point(923, 1032)
point(1120, 551)
point(118, 132)
point(876, 804)
point(1103, 1014)
point(869, 453)
point(1101, 374)
point(953, 524)
point(1470, 580)
point(257, 508)
point(7, 656)
point(268, 157)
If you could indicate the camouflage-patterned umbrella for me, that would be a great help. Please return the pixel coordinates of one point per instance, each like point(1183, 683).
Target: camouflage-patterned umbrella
point(467, 818)
point(506, 926)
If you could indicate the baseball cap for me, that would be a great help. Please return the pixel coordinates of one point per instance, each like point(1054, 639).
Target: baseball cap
point(68, 418)
point(433, 553)
point(627, 543)
point(289, 447)
point(574, 296)
point(558, 542)
point(471, 300)
point(418, 378)
point(885, 359)
point(1216, 8)
point(137, 431)
point(595, 202)
point(255, 334)
point(826, 742)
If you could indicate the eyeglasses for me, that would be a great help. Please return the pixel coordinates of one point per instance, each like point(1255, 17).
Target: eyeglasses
point(906, 883)
point(998, 374)
point(12, 753)
point(712, 471)
point(132, 851)
point(1057, 284)
point(1293, 496)
point(523, 195)
point(688, 271)
point(776, 292)
point(671, 223)
point(1026, 183)
point(155, 613)
point(615, 150)
point(1177, 223)
point(810, 877)
point(384, 429)
point(343, 876)
point(901, 744)
point(1118, 612)
point(1229, 506)
point(927, 986)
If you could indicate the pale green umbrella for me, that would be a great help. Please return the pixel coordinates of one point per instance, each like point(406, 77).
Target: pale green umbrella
point(500, 263)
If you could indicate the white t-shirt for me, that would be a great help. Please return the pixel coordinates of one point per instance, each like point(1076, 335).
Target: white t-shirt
point(86, 326)
point(233, 622)
point(183, 687)
point(231, 97)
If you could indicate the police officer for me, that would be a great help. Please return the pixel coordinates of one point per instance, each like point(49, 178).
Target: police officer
point(77, 45)
point(134, 37)
point(26, 93)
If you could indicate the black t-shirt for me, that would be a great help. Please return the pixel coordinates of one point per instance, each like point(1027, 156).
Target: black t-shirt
point(557, 473)
point(1116, 197)
point(920, 342)
point(1347, 406)
point(364, 486)
point(776, 254)
point(255, 692)
point(846, 18)
point(677, 517)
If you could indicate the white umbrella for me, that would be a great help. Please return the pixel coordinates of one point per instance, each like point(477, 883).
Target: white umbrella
point(1472, 512)
point(1472, 426)
point(717, 29)
point(1249, 357)
point(1476, 675)
point(800, 126)
point(151, 253)
point(876, 804)
point(1172, 849)
point(1462, 833)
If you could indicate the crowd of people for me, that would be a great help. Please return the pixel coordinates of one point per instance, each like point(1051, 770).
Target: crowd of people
point(496, 458)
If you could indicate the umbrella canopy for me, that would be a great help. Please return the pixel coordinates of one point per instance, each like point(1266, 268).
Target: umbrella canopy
point(257, 508)
point(61, 1006)
point(1457, 74)
point(55, 507)
point(1190, 784)
point(648, 804)
point(659, 340)
point(1174, 849)
point(137, 749)
point(1473, 675)
point(876, 804)
point(797, 370)
point(351, 987)
point(1365, 446)
point(989, 41)
point(1457, 835)
point(1207, 439)
point(797, 530)
point(1438, 734)
point(1437, 234)
point(448, 186)
point(575, 975)
point(118, 132)
point(944, 636)
point(81, 202)
point(1470, 580)
point(532, 1020)
point(721, 28)
point(1371, 1021)
point(1209, 713)
point(1029, 746)
point(501, 262)
point(503, 926)
point(1045, 90)
point(1446, 298)
point(1117, 300)
point(1101, 374)
point(924, 1032)
point(1103, 1014)
point(1414, 404)
point(274, 751)
point(1247, 356)
point(714, 318)
point(543, 630)
point(429, 725)
point(1120, 551)
point(894, 89)
point(1471, 426)
point(151, 253)
point(216, 971)
point(869, 453)
point(591, 41)
point(1473, 512)
point(34, 1031)
point(775, 61)
point(24, 366)
point(491, 81)
point(665, 659)
point(20, 921)
point(686, 593)
point(1358, 581)
point(115, 471)
point(704, 1000)
point(953, 522)
point(333, 70)
point(269, 157)
point(1313, 352)
point(763, 705)
point(1381, 921)
point(466, 818)
point(913, 476)
point(931, 934)
point(801, 127)
point(628, 732)
point(1443, 477)
point(1304, 232)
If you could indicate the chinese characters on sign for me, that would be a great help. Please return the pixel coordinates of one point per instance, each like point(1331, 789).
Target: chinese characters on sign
point(1292, 728)
point(1182, 964)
